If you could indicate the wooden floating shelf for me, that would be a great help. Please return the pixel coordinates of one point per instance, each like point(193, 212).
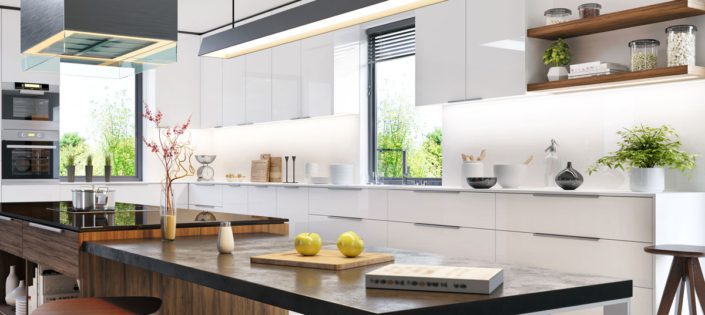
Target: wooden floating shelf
point(670, 74)
point(661, 12)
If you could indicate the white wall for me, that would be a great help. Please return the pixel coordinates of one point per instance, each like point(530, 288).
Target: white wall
point(584, 124)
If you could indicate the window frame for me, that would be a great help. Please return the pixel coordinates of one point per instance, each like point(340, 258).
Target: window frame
point(138, 142)
point(372, 105)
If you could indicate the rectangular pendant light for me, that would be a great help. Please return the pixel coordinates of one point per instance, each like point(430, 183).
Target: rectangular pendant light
point(310, 19)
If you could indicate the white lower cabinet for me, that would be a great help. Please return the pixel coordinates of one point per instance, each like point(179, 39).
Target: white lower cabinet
point(444, 240)
point(262, 200)
point(373, 232)
point(142, 194)
point(455, 208)
point(234, 199)
point(30, 193)
point(349, 202)
point(205, 195)
point(292, 204)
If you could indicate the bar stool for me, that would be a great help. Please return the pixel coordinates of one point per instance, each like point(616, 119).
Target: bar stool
point(685, 270)
point(138, 305)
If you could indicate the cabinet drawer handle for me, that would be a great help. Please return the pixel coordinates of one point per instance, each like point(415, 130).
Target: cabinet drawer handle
point(344, 188)
point(427, 191)
point(291, 187)
point(46, 228)
point(4, 218)
point(582, 238)
point(208, 185)
point(234, 185)
point(336, 217)
point(204, 206)
point(301, 117)
point(566, 195)
point(261, 186)
point(245, 124)
point(438, 226)
point(466, 100)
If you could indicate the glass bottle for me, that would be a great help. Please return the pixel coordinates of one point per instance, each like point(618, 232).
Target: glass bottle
point(552, 163)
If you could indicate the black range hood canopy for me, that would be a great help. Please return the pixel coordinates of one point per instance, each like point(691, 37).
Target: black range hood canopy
point(119, 33)
point(306, 20)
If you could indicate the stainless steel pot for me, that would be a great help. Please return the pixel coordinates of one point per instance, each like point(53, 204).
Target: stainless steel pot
point(104, 198)
point(83, 198)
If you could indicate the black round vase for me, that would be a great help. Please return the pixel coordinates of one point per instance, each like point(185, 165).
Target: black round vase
point(569, 178)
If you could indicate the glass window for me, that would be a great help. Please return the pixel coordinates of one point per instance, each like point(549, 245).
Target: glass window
point(99, 117)
point(405, 140)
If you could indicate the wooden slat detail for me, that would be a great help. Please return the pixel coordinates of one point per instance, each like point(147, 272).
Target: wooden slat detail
point(661, 12)
point(58, 251)
point(104, 277)
point(11, 232)
point(278, 229)
point(668, 74)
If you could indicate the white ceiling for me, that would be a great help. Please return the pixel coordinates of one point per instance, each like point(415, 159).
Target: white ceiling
point(202, 15)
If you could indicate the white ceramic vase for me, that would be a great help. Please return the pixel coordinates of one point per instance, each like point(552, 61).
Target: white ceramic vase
point(647, 179)
point(12, 281)
point(557, 73)
point(19, 291)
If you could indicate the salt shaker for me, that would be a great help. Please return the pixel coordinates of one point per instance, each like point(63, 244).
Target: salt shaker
point(226, 242)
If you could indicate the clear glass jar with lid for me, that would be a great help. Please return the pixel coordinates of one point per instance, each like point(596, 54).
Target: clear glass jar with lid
point(681, 45)
point(589, 10)
point(644, 54)
point(557, 15)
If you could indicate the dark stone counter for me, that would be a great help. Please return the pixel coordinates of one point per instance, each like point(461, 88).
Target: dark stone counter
point(312, 291)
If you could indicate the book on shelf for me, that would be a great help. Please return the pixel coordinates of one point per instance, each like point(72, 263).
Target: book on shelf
point(597, 66)
point(436, 278)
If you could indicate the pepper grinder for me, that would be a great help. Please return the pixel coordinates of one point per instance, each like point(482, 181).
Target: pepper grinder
point(293, 161)
point(286, 165)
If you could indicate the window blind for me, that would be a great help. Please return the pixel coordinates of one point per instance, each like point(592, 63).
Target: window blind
point(392, 44)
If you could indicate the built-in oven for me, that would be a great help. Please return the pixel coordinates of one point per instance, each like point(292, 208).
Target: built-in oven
point(30, 154)
point(30, 106)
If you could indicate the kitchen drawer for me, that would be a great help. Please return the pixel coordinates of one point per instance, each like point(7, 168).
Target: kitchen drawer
point(373, 232)
point(618, 259)
point(349, 202)
point(292, 204)
point(139, 193)
point(30, 193)
point(11, 231)
point(235, 198)
point(444, 240)
point(180, 193)
point(262, 200)
point(617, 218)
point(205, 194)
point(52, 247)
point(443, 207)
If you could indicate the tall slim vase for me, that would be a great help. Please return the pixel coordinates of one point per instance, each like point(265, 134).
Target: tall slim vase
point(168, 213)
point(12, 281)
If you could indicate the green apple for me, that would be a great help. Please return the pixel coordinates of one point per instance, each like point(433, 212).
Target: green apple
point(308, 244)
point(350, 244)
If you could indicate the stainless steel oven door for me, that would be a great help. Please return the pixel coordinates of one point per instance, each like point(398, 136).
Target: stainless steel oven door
point(30, 155)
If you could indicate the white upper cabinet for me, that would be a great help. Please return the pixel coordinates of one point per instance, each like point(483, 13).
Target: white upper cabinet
point(440, 52)
point(211, 92)
point(179, 98)
point(346, 70)
point(317, 75)
point(234, 91)
point(286, 81)
point(258, 86)
point(12, 54)
point(495, 48)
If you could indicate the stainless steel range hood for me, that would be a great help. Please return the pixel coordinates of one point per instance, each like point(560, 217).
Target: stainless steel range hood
point(139, 34)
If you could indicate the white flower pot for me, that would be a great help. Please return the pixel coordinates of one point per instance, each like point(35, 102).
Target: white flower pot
point(557, 73)
point(470, 169)
point(647, 179)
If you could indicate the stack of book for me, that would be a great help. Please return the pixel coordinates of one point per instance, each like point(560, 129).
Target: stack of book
point(435, 278)
point(595, 68)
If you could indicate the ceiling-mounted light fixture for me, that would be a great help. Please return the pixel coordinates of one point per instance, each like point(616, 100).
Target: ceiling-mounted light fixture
point(137, 34)
point(310, 19)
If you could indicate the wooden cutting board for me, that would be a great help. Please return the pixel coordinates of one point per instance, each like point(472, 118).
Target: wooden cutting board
point(260, 171)
point(326, 259)
point(275, 169)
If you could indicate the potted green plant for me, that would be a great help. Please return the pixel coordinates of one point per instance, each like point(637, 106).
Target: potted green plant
point(557, 56)
point(108, 166)
point(70, 165)
point(645, 151)
point(89, 168)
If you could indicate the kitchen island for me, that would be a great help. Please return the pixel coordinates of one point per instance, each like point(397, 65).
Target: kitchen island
point(51, 234)
point(131, 267)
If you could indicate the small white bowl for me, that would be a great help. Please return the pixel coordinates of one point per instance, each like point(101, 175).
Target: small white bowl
point(510, 175)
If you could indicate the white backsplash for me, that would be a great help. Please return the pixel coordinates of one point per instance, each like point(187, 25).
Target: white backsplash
point(584, 124)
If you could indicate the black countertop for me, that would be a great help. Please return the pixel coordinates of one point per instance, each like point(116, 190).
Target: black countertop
point(124, 217)
point(313, 291)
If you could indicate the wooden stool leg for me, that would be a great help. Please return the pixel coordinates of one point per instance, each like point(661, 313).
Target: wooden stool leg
point(672, 284)
point(679, 296)
point(698, 281)
point(690, 275)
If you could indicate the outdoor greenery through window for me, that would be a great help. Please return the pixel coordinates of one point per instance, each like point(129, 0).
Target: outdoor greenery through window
point(405, 139)
point(98, 118)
